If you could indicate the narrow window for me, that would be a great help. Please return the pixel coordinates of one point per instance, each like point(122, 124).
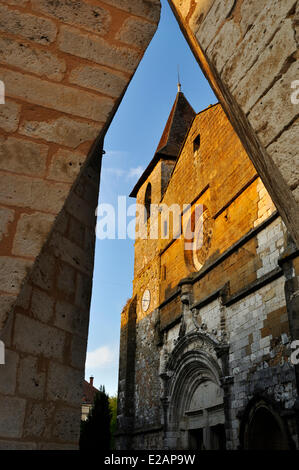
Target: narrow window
point(147, 201)
point(196, 143)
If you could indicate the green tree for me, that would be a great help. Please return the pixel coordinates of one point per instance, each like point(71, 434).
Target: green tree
point(95, 431)
point(113, 409)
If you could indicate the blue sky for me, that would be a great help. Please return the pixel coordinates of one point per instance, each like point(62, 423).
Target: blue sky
point(130, 144)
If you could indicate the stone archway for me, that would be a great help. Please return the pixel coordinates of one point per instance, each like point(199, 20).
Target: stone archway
point(66, 67)
point(195, 409)
point(263, 429)
point(52, 129)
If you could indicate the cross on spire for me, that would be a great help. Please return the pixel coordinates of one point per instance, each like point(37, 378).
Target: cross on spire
point(179, 82)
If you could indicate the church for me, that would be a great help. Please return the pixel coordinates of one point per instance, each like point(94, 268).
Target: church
point(207, 338)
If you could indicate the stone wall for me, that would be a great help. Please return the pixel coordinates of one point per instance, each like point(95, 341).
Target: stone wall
point(248, 52)
point(234, 313)
point(65, 66)
point(45, 335)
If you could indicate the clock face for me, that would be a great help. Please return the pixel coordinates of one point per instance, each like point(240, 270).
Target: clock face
point(146, 300)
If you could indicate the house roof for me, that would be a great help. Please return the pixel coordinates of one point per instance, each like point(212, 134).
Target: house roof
point(89, 392)
point(177, 126)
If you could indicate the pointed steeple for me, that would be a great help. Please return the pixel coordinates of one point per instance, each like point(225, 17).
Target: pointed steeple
point(178, 123)
point(173, 137)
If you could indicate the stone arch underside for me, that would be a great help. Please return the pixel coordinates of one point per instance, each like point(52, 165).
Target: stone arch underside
point(66, 66)
point(52, 128)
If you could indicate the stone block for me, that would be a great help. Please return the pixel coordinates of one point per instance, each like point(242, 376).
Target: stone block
point(48, 196)
point(136, 32)
point(42, 306)
point(19, 3)
point(31, 378)
point(99, 79)
point(12, 412)
point(17, 268)
point(24, 296)
point(15, 190)
point(9, 116)
point(250, 10)
point(6, 217)
point(67, 425)
point(8, 373)
point(66, 279)
point(149, 9)
point(34, 337)
point(266, 116)
point(258, 79)
point(33, 193)
point(63, 131)
point(284, 152)
point(78, 352)
point(83, 291)
point(209, 27)
point(70, 318)
point(23, 156)
point(61, 223)
point(32, 231)
point(38, 61)
point(39, 420)
point(17, 445)
point(66, 165)
point(44, 271)
point(64, 384)
point(35, 28)
point(72, 254)
point(7, 303)
point(97, 50)
point(81, 210)
point(260, 34)
point(76, 231)
point(56, 96)
point(220, 49)
point(80, 13)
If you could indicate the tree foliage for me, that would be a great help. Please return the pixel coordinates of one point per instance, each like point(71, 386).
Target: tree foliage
point(113, 409)
point(95, 431)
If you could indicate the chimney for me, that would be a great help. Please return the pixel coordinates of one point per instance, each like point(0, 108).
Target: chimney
point(91, 381)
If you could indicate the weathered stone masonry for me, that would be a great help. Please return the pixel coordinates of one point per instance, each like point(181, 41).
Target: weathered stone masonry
point(212, 362)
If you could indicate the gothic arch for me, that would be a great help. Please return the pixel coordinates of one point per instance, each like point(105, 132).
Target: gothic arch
point(192, 367)
point(262, 427)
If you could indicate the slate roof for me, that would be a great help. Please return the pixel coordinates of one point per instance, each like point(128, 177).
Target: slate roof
point(177, 126)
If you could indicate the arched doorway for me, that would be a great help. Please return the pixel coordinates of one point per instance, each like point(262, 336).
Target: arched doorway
point(195, 417)
point(264, 429)
point(204, 418)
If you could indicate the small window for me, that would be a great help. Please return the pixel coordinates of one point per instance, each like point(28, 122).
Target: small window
point(163, 273)
point(148, 201)
point(196, 143)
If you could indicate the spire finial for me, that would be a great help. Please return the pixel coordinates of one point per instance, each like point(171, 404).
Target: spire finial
point(179, 82)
